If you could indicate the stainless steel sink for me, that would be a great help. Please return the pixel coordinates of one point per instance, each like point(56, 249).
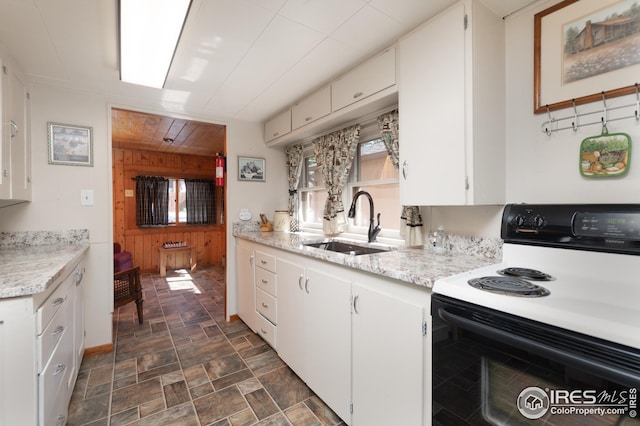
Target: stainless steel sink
point(345, 247)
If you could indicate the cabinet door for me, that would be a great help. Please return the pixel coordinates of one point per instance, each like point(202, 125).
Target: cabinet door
point(312, 108)
point(78, 318)
point(433, 116)
point(291, 315)
point(327, 313)
point(20, 141)
point(5, 135)
point(371, 77)
point(246, 290)
point(388, 359)
point(277, 126)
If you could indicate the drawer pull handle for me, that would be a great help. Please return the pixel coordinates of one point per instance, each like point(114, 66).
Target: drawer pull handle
point(264, 281)
point(59, 329)
point(308, 118)
point(306, 285)
point(300, 281)
point(355, 304)
point(58, 301)
point(357, 95)
point(263, 331)
point(276, 134)
point(264, 262)
point(405, 169)
point(59, 369)
point(264, 305)
point(79, 276)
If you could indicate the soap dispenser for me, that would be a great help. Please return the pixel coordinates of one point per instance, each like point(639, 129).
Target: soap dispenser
point(439, 240)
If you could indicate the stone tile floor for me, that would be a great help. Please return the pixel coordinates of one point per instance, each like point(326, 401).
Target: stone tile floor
point(185, 365)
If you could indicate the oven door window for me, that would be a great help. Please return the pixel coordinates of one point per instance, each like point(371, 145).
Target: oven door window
point(491, 368)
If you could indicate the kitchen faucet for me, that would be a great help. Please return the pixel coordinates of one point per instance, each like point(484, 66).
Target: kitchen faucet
point(373, 231)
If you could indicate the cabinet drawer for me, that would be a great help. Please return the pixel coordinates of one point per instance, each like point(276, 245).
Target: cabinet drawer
point(278, 126)
point(53, 333)
point(58, 298)
point(312, 108)
point(267, 305)
point(268, 281)
point(265, 261)
point(266, 330)
point(52, 390)
point(368, 78)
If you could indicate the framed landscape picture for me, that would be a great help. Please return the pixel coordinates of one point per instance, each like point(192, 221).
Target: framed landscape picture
point(584, 50)
point(251, 169)
point(70, 145)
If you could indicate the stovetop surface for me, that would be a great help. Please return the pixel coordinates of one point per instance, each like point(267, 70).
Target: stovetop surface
point(594, 293)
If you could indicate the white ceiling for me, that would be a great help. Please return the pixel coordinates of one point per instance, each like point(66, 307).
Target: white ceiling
point(242, 59)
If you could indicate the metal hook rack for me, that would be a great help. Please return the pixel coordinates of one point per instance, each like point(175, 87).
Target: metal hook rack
point(551, 125)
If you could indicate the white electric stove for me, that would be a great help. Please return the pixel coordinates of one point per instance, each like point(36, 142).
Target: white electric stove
point(561, 311)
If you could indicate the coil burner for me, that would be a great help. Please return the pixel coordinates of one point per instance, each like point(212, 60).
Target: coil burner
point(526, 274)
point(510, 286)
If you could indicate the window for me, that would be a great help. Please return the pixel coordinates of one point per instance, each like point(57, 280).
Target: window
point(177, 201)
point(167, 201)
point(375, 174)
point(372, 171)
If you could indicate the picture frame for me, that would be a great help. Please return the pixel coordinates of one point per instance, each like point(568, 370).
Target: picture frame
point(70, 145)
point(251, 169)
point(566, 36)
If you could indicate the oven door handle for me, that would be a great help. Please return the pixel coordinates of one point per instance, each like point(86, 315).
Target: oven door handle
point(598, 365)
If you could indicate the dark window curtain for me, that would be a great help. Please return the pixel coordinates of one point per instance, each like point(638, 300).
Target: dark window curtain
point(201, 201)
point(152, 201)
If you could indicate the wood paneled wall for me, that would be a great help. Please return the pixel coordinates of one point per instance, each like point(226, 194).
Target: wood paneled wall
point(143, 243)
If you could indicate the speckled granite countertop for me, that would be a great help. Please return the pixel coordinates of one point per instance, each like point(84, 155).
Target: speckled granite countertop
point(31, 261)
point(419, 265)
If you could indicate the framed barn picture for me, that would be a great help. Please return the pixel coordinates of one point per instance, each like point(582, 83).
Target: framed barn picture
point(584, 50)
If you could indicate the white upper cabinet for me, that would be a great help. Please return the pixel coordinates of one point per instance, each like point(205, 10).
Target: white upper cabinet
point(311, 108)
point(278, 126)
point(372, 76)
point(15, 141)
point(451, 103)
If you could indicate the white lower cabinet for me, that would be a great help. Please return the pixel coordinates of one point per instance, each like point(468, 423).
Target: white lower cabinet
point(245, 275)
point(314, 338)
point(41, 347)
point(356, 339)
point(389, 351)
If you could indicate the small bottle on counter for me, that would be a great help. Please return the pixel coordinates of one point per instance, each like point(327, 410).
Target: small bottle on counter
point(439, 240)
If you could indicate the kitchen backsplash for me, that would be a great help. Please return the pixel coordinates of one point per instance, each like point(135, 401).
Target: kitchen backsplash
point(490, 248)
point(40, 238)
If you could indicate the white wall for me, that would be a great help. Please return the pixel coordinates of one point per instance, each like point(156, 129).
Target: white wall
point(544, 169)
point(246, 139)
point(56, 197)
point(56, 191)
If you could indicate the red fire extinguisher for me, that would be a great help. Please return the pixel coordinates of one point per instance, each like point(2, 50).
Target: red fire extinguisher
point(219, 170)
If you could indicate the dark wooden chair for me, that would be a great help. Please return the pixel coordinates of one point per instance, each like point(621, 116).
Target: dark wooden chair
point(127, 288)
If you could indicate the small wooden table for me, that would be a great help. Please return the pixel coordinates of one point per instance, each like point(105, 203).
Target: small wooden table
point(164, 252)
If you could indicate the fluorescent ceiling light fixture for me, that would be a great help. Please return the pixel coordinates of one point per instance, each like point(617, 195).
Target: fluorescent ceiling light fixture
point(149, 34)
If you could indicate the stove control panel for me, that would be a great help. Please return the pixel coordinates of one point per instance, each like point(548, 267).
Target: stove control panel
point(598, 227)
point(625, 226)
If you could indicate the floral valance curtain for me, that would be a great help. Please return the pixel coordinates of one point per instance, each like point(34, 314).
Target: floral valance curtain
point(410, 218)
point(201, 201)
point(334, 155)
point(294, 157)
point(152, 201)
